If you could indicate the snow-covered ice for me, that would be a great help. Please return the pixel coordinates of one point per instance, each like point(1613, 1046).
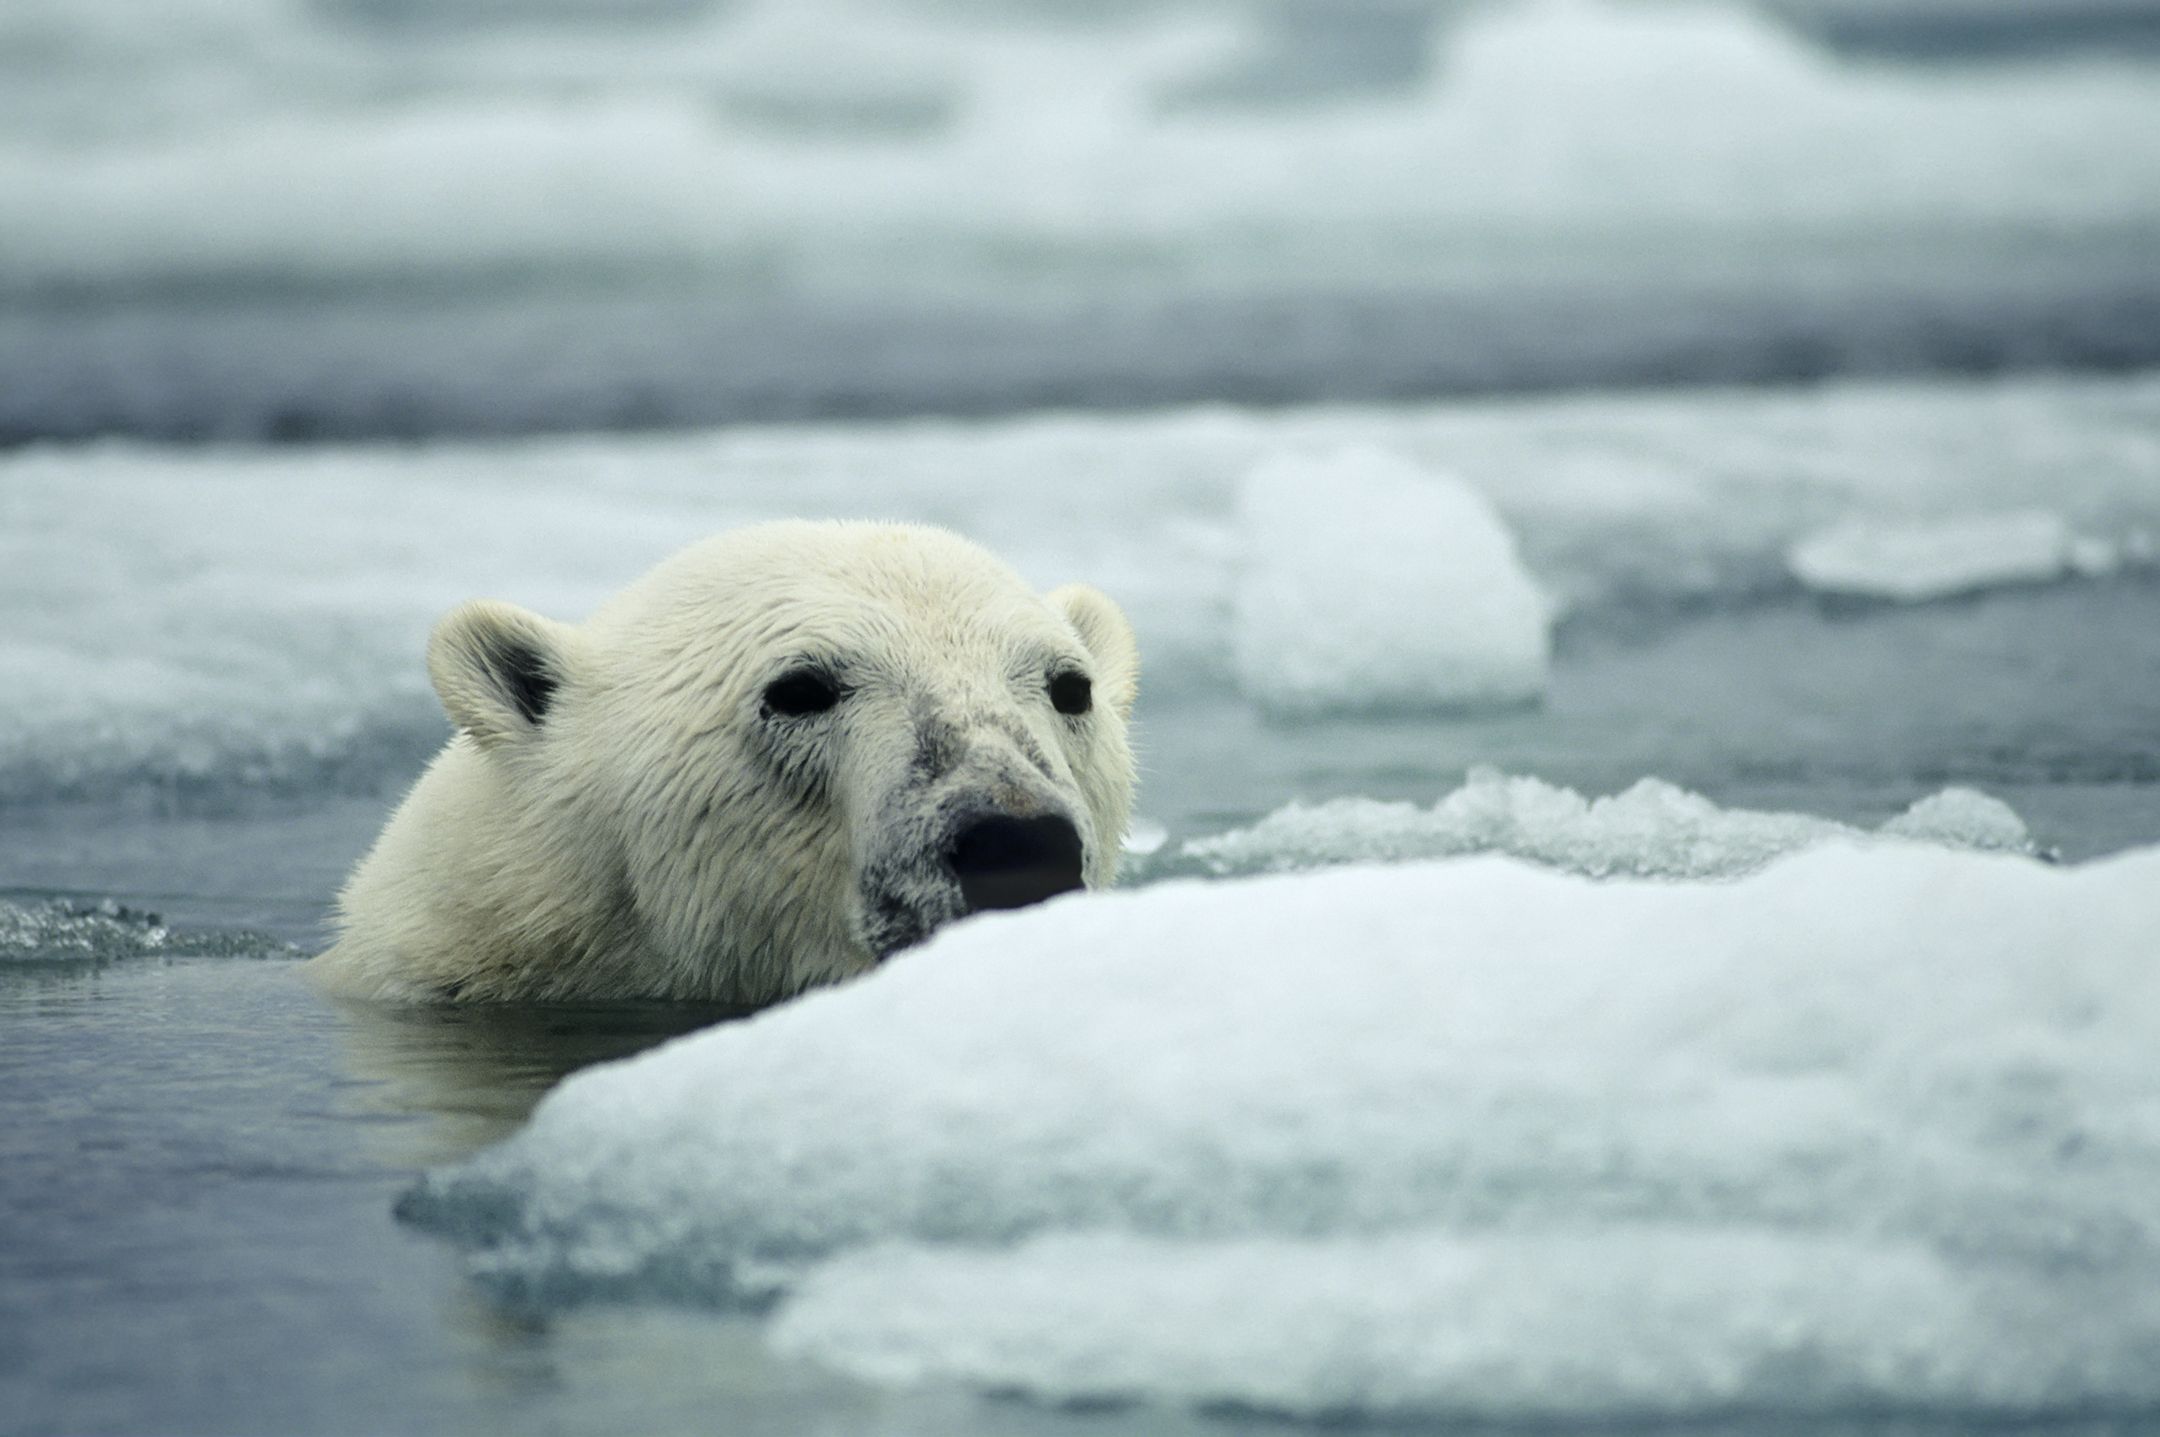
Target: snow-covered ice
point(1628, 1322)
point(1941, 557)
point(1871, 1128)
point(1653, 830)
point(1368, 584)
point(243, 618)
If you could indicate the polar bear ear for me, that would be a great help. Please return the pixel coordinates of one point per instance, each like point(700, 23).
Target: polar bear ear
point(1102, 627)
point(496, 669)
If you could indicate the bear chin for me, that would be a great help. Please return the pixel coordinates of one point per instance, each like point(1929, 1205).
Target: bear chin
point(783, 756)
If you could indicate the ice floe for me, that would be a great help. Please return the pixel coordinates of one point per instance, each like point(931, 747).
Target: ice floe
point(1870, 1129)
point(1369, 584)
point(210, 620)
point(1936, 558)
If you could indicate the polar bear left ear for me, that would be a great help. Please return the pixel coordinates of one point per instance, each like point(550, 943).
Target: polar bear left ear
point(1103, 628)
point(496, 668)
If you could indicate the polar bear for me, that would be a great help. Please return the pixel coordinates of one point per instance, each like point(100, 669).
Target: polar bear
point(780, 757)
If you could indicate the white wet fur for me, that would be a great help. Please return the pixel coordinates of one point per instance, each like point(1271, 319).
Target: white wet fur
point(659, 833)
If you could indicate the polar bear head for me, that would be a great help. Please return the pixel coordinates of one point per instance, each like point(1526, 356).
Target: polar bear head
point(795, 749)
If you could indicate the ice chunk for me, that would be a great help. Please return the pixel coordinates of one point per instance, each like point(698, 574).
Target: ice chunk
point(1370, 584)
point(1875, 1125)
point(1941, 557)
point(1653, 830)
point(1963, 818)
point(1144, 836)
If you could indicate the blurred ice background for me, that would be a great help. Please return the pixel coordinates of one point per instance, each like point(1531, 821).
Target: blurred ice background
point(300, 218)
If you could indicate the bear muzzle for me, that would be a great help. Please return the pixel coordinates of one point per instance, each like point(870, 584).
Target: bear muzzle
point(976, 857)
point(1004, 861)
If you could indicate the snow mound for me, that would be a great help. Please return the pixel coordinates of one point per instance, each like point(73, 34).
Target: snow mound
point(1371, 584)
point(1874, 1126)
point(1963, 818)
point(1653, 830)
point(1939, 558)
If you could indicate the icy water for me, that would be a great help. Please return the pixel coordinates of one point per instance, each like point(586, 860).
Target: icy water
point(208, 720)
point(1845, 753)
point(204, 1155)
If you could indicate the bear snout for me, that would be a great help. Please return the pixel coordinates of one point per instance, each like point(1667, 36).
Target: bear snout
point(1006, 862)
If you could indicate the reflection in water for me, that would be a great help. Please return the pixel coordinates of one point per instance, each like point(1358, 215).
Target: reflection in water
point(473, 1073)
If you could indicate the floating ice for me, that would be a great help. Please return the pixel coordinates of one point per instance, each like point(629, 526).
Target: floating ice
point(1143, 837)
point(63, 932)
point(1963, 818)
point(1653, 830)
point(58, 932)
point(219, 620)
point(1874, 1127)
point(1369, 584)
point(1944, 557)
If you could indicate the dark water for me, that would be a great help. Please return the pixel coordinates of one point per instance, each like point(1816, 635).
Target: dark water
point(202, 1156)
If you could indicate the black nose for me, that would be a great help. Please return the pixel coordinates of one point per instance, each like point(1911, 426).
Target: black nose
point(1005, 862)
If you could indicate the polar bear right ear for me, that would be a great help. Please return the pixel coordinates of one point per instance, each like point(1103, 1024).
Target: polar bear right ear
point(497, 668)
point(1102, 626)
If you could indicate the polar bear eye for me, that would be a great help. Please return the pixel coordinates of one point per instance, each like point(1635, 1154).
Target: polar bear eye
point(1071, 692)
point(800, 692)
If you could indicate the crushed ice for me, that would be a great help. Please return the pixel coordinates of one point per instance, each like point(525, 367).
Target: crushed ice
point(57, 931)
point(1652, 830)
